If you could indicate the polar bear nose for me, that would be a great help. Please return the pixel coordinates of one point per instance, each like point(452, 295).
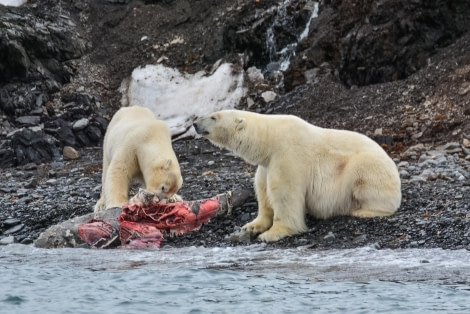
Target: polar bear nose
point(199, 129)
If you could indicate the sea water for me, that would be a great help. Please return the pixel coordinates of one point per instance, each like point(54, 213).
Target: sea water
point(245, 279)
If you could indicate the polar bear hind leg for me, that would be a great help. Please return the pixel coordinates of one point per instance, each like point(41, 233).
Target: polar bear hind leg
point(375, 187)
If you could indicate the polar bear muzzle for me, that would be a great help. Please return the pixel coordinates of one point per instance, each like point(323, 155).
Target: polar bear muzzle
point(199, 127)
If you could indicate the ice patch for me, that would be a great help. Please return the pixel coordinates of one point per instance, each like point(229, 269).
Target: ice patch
point(179, 98)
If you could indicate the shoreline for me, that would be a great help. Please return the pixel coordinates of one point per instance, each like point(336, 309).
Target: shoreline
point(435, 210)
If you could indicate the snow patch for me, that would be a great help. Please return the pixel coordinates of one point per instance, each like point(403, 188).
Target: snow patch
point(13, 3)
point(180, 98)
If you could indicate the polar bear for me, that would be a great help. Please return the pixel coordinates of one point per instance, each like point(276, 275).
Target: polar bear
point(304, 169)
point(137, 146)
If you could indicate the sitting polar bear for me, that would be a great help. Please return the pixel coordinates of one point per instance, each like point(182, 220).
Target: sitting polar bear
point(305, 169)
point(137, 146)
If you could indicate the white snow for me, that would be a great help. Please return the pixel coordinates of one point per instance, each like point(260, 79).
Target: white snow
point(179, 98)
point(13, 3)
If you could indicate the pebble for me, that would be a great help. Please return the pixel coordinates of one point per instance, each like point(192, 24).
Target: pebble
point(70, 153)
point(80, 124)
point(51, 182)
point(268, 96)
point(329, 236)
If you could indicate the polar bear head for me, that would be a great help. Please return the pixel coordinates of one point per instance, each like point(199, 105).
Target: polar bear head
point(240, 132)
point(164, 179)
point(223, 128)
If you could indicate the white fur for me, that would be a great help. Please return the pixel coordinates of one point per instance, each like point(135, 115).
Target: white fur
point(137, 146)
point(305, 169)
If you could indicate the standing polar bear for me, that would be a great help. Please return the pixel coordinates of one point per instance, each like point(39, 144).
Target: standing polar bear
point(305, 169)
point(137, 146)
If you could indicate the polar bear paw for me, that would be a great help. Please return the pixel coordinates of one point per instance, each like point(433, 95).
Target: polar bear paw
point(257, 226)
point(275, 233)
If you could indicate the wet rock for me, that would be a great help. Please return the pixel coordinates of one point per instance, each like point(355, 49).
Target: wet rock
point(263, 36)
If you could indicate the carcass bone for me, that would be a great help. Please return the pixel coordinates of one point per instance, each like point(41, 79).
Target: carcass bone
point(139, 223)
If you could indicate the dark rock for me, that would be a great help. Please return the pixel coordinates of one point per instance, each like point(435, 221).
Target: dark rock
point(14, 229)
point(35, 47)
point(7, 157)
point(11, 221)
point(32, 183)
point(27, 240)
point(63, 134)
point(94, 133)
point(29, 120)
point(30, 146)
point(376, 42)
point(263, 36)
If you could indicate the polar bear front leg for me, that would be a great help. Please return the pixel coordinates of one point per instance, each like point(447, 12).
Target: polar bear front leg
point(265, 213)
point(288, 205)
point(118, 181)
point(101, 203)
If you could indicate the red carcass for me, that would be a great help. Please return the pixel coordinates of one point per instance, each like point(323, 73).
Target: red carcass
point(141, 223)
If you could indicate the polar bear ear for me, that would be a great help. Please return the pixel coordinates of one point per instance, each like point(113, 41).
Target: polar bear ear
point(240, 122)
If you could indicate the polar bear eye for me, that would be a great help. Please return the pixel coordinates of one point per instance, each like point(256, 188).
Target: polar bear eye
point(213, 118)
point(163, 188)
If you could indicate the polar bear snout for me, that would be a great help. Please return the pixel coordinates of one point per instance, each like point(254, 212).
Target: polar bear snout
point(199, 127)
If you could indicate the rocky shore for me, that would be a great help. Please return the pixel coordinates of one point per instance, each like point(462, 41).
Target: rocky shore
point(435, 210)
point(358, 67)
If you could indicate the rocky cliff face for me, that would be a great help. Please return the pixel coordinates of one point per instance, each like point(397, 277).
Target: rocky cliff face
point(372, 42)
point(406, 62)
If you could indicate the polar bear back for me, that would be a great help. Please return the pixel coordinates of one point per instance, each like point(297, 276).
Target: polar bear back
point(134, 126)
point(287, 135)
